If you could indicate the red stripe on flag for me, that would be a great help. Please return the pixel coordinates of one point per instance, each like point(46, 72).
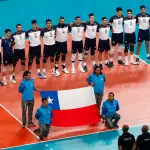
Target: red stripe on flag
point(76, 117)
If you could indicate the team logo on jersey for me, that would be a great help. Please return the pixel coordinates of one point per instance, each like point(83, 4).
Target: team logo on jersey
point(119, 22)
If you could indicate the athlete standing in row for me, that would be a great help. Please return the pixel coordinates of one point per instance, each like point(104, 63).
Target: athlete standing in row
point(143, 21)
point(48, 35)
point(19, 48)
point(117, 35)
point(1, 59)
point(77, 29)
point(129, 36)
point(90, 40)
point(34, 35)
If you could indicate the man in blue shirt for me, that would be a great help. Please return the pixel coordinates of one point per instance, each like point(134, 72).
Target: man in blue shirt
point(97, 80)
point(8, 56)
point(109, 109)
point(27, 89)
point(44, 117)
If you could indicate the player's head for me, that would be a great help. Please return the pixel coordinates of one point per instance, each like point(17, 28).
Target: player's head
point(34, 24)
point(44, 102)
point(145, 128)
point(125, 128)
point(91, 17)
point(111, 96)
point(104, 20)
point(97, 70)
point(19, 27)
point(129, 12)
point(77, 19)
point(142, 8)
point(48, 23)
point(62, 20)
point(27, 75)
point(8, 33)
point(119, 11)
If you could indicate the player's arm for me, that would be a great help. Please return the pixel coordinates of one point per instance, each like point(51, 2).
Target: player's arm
point(137, 21)
point(110, 22)
point(21, 87)
point(69, 28)
point(119, 143)
point(89, 80)
point(37, 114)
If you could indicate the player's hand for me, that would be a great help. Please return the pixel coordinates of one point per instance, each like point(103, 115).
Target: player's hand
point(92, 84)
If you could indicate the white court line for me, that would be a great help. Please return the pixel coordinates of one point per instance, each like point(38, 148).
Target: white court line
point(18, 120)
point(70, 137)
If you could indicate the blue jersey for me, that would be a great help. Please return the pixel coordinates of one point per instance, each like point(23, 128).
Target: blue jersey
point(7, 45)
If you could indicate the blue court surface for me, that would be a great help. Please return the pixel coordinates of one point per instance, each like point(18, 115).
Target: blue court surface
point(98, 141)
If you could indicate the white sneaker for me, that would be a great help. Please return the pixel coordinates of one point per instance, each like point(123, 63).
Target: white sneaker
point(126, 63)
point(57, 72)
point(44, 75)
point(81, 69)
point(73, 70)
point(133, 62)
point(12, 80)
point(4, 82)
point(65, 71)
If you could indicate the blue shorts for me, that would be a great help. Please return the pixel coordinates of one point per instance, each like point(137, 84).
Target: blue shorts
point(129, 38)
point(143, 35)
point(117, 38)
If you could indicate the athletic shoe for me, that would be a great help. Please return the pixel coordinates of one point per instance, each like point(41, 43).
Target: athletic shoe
point(44, 75)
point(85, 68)
point(148, 58)
point(101, 66)
point(41, 138)
point(108, 65)
point(81, 69)
point(137, 61)
point(111, 64)
point(4, 82)
point(126, 63)
point(31, 124)
point(57, 73)
point(39, 75)
point(23, 125)
point(120, 62)
point(1, 84)
point(65, 71)
point(94, 66)
point(132, 62)
point(12, 79)
point(37, 130)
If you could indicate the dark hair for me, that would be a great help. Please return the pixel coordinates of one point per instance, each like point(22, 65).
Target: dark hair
point(18, 25)
point(7, 30)
point(26, 73)
point(33, 21)
point(97, 67)
point(111, 93)
point(62, 18)
point(103, 18)
point(145, 128)
point(77, 17)
point(142, 6)
point(129, 10)
point(118, 9)
point(125, 128)
point(91, 14)
point(48, 20)
point(44, 99)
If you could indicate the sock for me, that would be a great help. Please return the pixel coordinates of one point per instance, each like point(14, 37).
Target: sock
point(13, 74)
point(147, 55)
point(106, 61)
point(4, 77)
point(84, 63)
point(53, 69)
point(56, 66)
point(93, 62)
point(38, 70)
point(72, 65)
point(119, 57)
point(44, 70)
point(80, 64)
point(131, 57)
point(111, 59)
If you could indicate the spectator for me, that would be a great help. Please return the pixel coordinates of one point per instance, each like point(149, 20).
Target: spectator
point(109, 109)
point(126, 141)
point(44, 117)
point(27, 89)
point(97, 80)
point(143, 140)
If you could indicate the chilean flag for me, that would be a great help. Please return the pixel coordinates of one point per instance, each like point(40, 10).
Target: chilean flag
point(75, 107)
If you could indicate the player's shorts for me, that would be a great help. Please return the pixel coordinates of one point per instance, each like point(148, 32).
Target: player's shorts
point(49, 51)
point(90, 44)
point(34, 52)
point(77, 46)
point(129, 38)
point(19, 54)
point(61, 47)
point(103, 45)
point(8, 59)
point(143, 35)
point(0, 58)
point(117, 38)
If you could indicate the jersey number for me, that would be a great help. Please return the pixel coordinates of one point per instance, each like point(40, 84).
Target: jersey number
point(93, 30)
point(78, 30)
point(20, 37)
point(144, 20)
point(50, 34)
point(106, 31)
point(63, 32)
point(131, 23)
point(35, 35)
point(119, 22)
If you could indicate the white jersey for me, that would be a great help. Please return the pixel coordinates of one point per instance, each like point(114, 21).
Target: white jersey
point(62, 32)
point(77, 32)
point(104, 31)
point(129, 24)
point(34, 37)
point(20, 40)
point(90, 30)
point(117, 24)
point(48, 36)
point(143, 21)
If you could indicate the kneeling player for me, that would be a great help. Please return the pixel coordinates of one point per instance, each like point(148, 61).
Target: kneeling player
point(8, 56)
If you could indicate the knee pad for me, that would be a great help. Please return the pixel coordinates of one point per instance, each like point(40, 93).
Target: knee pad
point(92, 52)
point(132, 48)
point(30, 62)
point(120, 48)
point(80, 56)
point(57, 57)
point(37, 60)
point(23, 63)
point(126, 48)
point(112, 50)
point(73, 57)
point(44, 60)
point(4, 69)
point(52, 59)
point(63, 57)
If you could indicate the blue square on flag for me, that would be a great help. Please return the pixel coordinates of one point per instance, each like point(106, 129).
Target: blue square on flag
point(52, 97)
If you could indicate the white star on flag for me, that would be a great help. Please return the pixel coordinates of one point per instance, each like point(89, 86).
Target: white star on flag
point(50, 101)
